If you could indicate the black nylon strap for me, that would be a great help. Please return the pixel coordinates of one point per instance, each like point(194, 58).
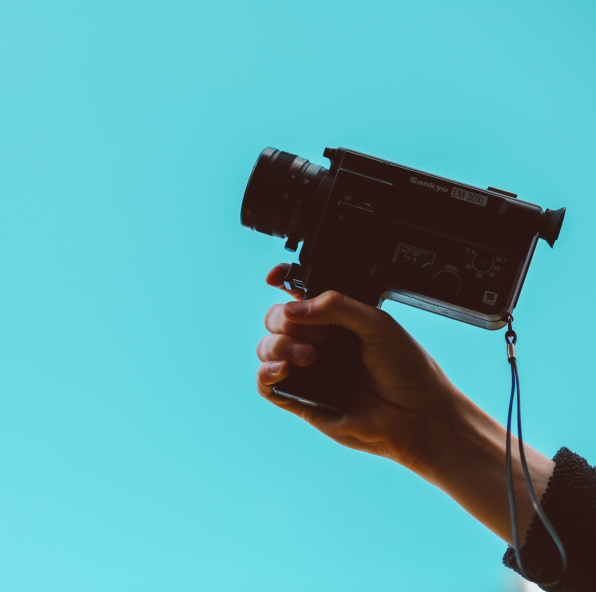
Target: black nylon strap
point(511, 337)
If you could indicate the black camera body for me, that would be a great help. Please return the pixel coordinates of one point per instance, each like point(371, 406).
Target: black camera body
point(377, 230)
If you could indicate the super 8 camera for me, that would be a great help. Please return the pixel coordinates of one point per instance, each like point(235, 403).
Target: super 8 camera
point(375, 230)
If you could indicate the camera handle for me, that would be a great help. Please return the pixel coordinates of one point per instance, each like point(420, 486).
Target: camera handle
point(330, 379)
point(511, 339)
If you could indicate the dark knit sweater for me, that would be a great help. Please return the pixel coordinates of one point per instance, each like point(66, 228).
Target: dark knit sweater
point(570, 504)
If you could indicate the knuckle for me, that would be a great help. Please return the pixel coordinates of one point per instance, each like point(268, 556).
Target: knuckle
point(331, 302)
point(332, 299)
point(280, 347)
point(270, 316)
point(262, 348)
point(274, 347)
point(261, 373)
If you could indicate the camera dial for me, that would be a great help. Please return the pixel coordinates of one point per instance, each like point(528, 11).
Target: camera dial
point(446, 283)
point(482, 263)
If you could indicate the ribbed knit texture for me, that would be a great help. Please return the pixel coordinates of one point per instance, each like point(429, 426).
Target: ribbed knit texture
point(570, 504)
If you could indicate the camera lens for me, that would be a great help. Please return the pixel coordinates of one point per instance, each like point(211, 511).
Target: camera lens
point(279, 194)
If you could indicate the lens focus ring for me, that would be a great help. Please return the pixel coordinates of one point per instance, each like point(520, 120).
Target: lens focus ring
point(279, 194)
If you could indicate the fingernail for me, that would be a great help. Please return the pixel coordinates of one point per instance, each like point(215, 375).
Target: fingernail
point(274, 367)
point(301, 351)
point(298, 308)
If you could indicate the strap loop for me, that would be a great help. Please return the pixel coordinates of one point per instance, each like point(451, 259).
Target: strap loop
point(511, 335)
point(511, 338)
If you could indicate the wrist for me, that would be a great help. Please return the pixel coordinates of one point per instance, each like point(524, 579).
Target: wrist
point(423, 439)
point(467, 461)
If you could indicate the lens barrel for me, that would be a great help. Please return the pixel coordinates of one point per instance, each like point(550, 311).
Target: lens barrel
point(279, 195)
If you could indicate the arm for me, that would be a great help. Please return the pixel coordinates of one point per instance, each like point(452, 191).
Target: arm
point(404, 408)
point(473, 471)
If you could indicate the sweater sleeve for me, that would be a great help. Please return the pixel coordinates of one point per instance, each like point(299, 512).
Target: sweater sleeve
point(570, 504)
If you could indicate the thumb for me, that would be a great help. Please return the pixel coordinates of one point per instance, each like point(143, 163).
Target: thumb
point(370, 324)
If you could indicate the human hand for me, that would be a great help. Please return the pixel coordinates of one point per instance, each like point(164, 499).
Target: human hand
point(403, 406)
point(402, 403)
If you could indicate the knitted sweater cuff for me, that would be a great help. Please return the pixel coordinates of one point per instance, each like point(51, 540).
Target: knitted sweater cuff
point(570, 504)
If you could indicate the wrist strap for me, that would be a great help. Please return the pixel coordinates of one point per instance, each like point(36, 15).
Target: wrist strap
point(511, 339)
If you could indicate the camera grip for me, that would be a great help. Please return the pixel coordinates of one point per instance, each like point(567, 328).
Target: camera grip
point(328, 382)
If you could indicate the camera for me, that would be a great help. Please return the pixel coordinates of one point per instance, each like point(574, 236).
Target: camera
point(376, 230)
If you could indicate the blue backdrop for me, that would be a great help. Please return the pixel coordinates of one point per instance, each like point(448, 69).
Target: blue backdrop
point(135, 454)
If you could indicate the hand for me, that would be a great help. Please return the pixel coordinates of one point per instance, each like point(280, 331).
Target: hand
point(403, 400)
point(403, 406)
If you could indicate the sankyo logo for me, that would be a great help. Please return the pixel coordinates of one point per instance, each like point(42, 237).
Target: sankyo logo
point(427, 184)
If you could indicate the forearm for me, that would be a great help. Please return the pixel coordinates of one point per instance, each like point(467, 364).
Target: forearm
point(404, 407)
point(471, 469)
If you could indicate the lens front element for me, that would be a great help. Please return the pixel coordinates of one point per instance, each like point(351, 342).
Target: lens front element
point(279, 194)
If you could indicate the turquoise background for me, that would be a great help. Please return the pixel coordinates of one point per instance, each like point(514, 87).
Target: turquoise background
point(135, 453)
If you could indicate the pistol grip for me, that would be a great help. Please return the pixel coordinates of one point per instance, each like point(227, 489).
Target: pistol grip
point(330, 381)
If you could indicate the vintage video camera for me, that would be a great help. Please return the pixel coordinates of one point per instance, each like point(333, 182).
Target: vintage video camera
point(376, 230)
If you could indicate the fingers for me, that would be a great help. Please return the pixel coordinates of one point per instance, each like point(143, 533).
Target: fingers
point(276, 322)
point(268, 375)
point(372, 325)
point(276, 277)
point(283, 347)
